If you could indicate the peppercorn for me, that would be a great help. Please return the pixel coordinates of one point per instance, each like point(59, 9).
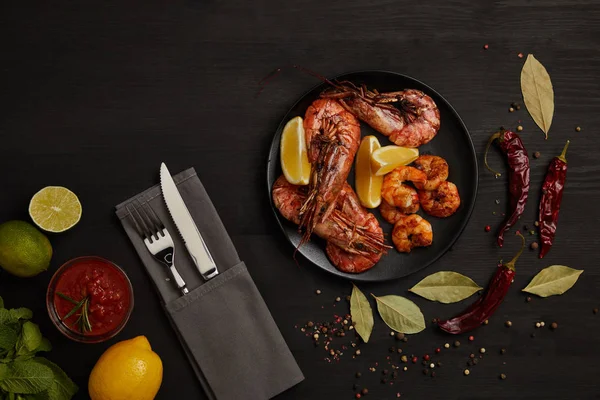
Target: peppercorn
point(357, 352)
point(502, 351)
point(332, 352)
point(425, 371)
point(447, 345)
point(404, 359)
point(488, 228)
point(424, 362)
point(511, 109)
point(466, 372)
point(578, 129)
point(317, 291)
point(532, 232)
point(508, 324)
point(482, 350)
point(457, 344)
point(358, 396)
point(486, 46)
point(471, 355)
point(385, 372)
point(316, 336)
point(414, 360)
point(528, 299)
point(520, 55)
point(553, 325)
point(432, 365)
point(310, 324)
point(537, 325)
point(405, 339)
point(438, 350)
point(537, 223)
point(338, 298)
point(405, 368)
point(542, 324)
point(519, 128)
point(486, 322)
point(471, 338)
point(426, 357)
point(365, 391)
point(595, 310)
point(537, 154)
point(324, 329)
point(358, 374)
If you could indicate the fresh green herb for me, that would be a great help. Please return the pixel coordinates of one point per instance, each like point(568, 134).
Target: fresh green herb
point(22, 374)
point(83, 321)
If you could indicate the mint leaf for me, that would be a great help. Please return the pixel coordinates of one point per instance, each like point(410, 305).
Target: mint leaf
point(27, 377)
point(31, 338)
point(44, 345)
point(8, 337)
point(21, 313)
point(63, 388)
point(3, 371)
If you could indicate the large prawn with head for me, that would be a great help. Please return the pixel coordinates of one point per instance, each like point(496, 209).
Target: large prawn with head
point(332, 140)
point(355, 241)
point(413, 121)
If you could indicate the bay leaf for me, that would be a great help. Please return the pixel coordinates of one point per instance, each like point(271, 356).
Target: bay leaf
point(362, 314)
point(446, 287)
point(400, 314)
point(538, 93)
point(553, 280)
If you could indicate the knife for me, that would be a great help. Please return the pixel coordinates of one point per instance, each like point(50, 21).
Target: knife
point(185, 225)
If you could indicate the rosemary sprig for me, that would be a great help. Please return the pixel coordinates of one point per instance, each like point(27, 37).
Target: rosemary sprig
point(83, 321)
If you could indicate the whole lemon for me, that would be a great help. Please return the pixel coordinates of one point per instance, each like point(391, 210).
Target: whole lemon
point(24, 250)
point(128, 370)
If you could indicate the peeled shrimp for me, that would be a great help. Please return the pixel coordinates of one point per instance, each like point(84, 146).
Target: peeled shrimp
point(390, 213)
point(442, 202)
point(400, 195)
point(411, 231)
point(436, 169)
point(415, 120)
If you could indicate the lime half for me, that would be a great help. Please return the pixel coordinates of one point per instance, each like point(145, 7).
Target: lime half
point(55, 209)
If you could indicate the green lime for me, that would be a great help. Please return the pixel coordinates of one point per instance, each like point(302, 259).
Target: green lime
point(24, 250)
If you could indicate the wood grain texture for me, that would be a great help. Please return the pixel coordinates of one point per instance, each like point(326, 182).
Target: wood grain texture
point(95, 95)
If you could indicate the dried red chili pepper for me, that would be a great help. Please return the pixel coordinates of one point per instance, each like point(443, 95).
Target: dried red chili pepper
point(518, 178)
point(484, 307)
point(552, 191)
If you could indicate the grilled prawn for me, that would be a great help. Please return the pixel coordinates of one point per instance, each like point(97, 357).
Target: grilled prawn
point(355, 239)
point(332, 140)
point(414, 121)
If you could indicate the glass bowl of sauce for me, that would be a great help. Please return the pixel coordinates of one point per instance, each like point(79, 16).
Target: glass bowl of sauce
point(89, 299)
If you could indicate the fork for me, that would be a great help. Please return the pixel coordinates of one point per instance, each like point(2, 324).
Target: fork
point(157, 239)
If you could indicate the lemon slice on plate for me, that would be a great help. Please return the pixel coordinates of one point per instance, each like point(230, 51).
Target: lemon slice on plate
point(294, 158)
point(55, 209)
point(385, 159)
point(368, 185)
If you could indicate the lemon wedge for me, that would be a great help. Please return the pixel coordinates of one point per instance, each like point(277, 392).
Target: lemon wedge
point(368, 185)
point(55, 209)
point(385, 159)
point(294, 159)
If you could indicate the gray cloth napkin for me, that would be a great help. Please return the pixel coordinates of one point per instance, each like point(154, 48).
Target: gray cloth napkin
point(224, 325)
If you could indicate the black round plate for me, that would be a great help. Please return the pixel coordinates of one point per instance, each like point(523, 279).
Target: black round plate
point(452, 142)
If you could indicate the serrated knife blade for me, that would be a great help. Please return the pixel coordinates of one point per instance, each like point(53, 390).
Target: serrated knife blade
point(186, 226)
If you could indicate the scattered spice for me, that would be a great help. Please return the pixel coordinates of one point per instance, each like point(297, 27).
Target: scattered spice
point(482, 350)
point(519, 128)
point(425, 371)
point(595, 311)
point(357, 352)
point(508, 324)
point(488, 228)
point(537, 154)
point(358, 374)
point(497, 201)
point(502, 351)
point(358, 396)
point(426, 357)
point(466, 372)
point(438, 350)
point(365, 391)
point(471, 355)
point(456, 343)
point(399, 351)
point(447, 345)
point(414, 360)
point(553, 325)
point(511, 109)
point(432, 365)
point(486, 46)
point(318, 291)
point(528, 299)
point(487, 321)
point(520, 55)
point(471, 338)
point(310, 324)
point(534, 245)
point(399, 336)
point(542, 324)
point(532, 232)
point(578, 129)
point(503, 376)
point(537, 223)
point(338, 298)
point(404, 359)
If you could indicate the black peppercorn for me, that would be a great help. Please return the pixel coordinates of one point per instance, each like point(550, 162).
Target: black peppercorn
point(358, 374)
point(399, 336)
point(365, 391)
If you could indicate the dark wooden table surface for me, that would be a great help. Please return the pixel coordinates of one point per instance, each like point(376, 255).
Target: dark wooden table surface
point(95, 95)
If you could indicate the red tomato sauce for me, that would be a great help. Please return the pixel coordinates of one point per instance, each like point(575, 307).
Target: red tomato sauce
point(108, 291)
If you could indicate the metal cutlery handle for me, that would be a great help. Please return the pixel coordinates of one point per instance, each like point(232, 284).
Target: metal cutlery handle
point(167, 256)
